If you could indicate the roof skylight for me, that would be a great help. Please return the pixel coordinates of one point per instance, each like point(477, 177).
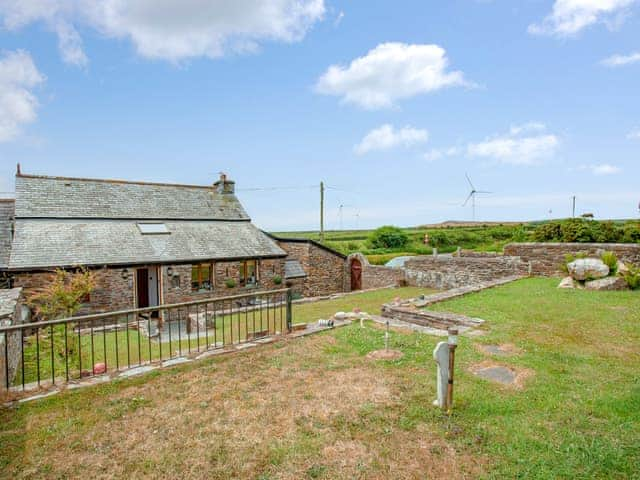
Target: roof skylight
point(153, 228)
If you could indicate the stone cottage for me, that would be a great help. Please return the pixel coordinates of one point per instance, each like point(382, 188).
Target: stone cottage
point(149, 243)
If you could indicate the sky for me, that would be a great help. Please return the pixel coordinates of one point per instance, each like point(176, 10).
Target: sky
point(391, 104)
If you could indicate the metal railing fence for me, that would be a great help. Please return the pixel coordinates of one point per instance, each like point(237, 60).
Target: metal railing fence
point(59, 351)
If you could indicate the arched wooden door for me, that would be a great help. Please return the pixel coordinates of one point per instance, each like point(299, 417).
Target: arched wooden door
point(356, 274)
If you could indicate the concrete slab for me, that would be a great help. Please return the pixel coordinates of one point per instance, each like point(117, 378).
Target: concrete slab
point(38, 397)
point(498, 374)
point(89, 382)
point(212, 353)
point(175, 361)
point(137, 371)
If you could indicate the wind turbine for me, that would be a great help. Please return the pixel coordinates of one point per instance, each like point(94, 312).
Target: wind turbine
point(472, 197)
point(340, 209)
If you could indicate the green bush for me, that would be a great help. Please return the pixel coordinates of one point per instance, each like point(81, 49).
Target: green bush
point(580, 230)
point(388, 237)
point(520, 234)
point(631, 232)
point(632, 277)
point(548, 232)
point(611, 261)
point(230, 283)
point(277, 279)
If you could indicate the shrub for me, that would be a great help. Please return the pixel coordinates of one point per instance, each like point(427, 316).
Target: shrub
point(631, 232)
point(63, 295)
point(277, 279)
point(230, 283)
point(388, 237)
point(548, 232)
point(611, 261)
point(520, 234)
point(632, 277)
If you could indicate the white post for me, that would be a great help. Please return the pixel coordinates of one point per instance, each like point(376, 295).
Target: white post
point(441, 356)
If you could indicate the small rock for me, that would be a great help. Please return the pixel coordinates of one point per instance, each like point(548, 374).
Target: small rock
point(607, 284)
point(622, 268)
point(588, 268)
point(340, 316)
point(567, 282)
point(99, 368)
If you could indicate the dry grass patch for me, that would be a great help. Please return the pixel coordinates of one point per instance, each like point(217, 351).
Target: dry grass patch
point(284, 411)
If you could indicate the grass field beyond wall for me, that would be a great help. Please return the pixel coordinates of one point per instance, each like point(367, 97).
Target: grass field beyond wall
point(317, 408)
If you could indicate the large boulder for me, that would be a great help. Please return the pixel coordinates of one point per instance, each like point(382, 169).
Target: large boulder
point(609, 283)
point(588, 269)
point(567, 282)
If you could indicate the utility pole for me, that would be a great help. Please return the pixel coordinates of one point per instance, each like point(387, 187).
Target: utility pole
point(573, 210)
point(322, 211)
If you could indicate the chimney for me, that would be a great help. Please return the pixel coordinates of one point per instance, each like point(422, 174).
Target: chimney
point(224, 185)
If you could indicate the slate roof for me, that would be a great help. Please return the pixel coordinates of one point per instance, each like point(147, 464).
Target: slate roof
point(60, 197)
point(293, 269)
point(63, 222)
point(8, 301)
point(47, 243)
point(6, 216)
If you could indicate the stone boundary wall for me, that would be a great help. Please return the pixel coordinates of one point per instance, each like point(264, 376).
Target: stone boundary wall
point(411, 311)
point(373, 276)
point(10, 314)
point(445, 272)
point(546, 258)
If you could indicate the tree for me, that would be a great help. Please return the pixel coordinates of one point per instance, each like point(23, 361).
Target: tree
point(63, 294)
point(388, 237)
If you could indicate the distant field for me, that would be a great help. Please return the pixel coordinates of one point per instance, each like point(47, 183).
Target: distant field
point(478, 236)
point(485, 237)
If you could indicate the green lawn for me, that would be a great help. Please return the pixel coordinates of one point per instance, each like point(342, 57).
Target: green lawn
point(316, 407)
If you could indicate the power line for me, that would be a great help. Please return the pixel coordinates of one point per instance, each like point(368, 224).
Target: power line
point(270, 189)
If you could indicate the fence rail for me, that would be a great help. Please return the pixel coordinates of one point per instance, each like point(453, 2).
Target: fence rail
point(58, 351)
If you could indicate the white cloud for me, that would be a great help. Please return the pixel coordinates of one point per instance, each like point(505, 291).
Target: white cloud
point(601, 169)
point(390, 72)
point(621, 60)
point(386, 137)
point(634, 134)
point(171, 30)
point(515, 148)
point(527, 128)
point(439, 153)
point(18, 104)
point(526, 144)
point(338, 19)
point(568, 17)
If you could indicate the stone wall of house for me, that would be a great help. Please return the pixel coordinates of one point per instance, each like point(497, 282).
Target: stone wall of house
point(373, 276)
point(325, 269)
point(546, 258)
point(112, 291)
point(444, 272)
point(11, 313)
point(177, 288)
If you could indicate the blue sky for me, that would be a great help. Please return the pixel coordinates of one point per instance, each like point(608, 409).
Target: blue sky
point(389, 103)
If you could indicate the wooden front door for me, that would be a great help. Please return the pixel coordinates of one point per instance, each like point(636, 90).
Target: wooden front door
point(356, 274)
point(142, 286)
